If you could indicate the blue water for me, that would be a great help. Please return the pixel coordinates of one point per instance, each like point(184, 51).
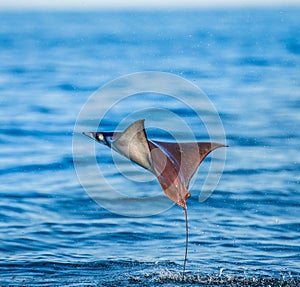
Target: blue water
point(248, 232)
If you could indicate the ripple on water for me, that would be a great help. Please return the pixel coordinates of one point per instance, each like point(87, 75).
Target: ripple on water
point(133, 273)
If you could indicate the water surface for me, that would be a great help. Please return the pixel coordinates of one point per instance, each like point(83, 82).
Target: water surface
point(247, 232)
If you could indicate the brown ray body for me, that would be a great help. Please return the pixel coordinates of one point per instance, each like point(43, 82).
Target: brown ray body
point(174, 164)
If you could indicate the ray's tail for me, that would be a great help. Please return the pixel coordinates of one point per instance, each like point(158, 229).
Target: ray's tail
point(186, 239)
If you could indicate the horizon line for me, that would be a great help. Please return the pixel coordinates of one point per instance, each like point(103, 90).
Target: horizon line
point(75, 5)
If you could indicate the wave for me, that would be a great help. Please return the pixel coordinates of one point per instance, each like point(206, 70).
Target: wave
point(65, 163)
point(133, 273)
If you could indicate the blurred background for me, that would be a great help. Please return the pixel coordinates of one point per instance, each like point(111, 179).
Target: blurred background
point(144, 4)
point(244, 55)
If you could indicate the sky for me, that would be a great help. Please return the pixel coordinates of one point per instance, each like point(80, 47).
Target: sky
point(119, 4)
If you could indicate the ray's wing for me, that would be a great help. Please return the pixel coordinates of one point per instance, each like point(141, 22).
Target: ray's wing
point(188, 155)
point(133, 144)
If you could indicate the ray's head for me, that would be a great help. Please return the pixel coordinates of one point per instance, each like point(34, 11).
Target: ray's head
point(99, 137)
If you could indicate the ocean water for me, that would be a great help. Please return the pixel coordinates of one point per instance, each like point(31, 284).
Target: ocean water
point(52, 232)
